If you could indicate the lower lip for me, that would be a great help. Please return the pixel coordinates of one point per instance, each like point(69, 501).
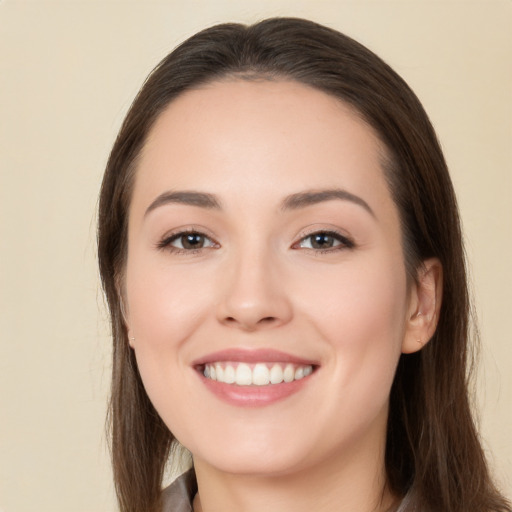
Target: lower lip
point(254, 396)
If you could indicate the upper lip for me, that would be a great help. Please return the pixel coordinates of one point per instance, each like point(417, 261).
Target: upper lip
point(252, 356)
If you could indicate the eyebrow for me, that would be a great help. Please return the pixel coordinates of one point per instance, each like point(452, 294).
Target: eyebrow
point(191, 198)
point(291, 202)
point(309, 198)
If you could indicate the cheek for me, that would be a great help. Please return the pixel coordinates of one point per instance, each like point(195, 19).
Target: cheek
point(164, 303)
point(363, 296)
point(360, 313)
point(166, 306)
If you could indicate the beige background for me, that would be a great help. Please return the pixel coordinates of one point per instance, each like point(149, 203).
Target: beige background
point(68, 72)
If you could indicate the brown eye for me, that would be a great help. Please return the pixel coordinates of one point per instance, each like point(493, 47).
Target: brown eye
point(186, 241)
point(322, 241)
point(190, 241)
point(325, 240)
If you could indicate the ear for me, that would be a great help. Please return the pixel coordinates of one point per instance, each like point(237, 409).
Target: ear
point(122, 307)
point(424, 306)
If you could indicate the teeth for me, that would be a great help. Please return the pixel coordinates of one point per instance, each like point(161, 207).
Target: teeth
point(276, 374)
point(260, 374)
point(219, 372)
point(289, 373)
point(229, 375)
point(243, 376)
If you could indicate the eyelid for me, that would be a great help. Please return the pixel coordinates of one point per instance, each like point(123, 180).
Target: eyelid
point(171, 236)
point(346, 242)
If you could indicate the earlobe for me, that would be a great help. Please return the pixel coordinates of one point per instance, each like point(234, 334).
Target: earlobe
point(122, 307)
point(425, 305)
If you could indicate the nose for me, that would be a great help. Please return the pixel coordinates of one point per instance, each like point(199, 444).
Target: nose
point(253, 294)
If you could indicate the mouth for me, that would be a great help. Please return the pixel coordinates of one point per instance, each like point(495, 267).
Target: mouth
point(254, 377)
point(256, 374)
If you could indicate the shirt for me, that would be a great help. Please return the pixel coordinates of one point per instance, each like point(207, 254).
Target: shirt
point(179, 495)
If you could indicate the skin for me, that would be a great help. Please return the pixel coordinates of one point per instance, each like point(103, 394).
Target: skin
point(258, 283)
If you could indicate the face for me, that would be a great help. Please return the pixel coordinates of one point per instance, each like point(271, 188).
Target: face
point(265, 285)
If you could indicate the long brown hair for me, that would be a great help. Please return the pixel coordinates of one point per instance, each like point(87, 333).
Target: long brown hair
point(433, 455)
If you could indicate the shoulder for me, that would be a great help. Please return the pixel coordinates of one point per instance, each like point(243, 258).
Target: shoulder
point(179, 495)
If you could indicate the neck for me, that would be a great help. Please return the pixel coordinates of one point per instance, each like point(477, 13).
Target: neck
point(356, 482)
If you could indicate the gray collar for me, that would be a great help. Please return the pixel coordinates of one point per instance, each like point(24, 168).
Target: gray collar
point(179, 495)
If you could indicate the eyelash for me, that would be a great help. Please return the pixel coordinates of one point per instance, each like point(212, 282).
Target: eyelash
point(344, 242)
point(168, 240)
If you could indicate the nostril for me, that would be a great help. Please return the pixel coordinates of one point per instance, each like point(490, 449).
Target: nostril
point(250, 324)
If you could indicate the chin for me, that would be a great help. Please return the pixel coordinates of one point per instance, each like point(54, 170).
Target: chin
point(255, 464)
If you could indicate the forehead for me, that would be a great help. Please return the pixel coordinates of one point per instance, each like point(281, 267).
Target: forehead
point(260, 137)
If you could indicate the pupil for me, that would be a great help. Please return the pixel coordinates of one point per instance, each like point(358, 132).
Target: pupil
point(192, 241)
point(322, 241)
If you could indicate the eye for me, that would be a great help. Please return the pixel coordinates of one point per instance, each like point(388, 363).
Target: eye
point(325, 240)
point(186, 241)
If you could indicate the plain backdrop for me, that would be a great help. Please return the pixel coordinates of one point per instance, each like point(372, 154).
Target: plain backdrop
point(68, 72)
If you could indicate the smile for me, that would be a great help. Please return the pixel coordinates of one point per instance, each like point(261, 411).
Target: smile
point(254, 378)
point(258, 374)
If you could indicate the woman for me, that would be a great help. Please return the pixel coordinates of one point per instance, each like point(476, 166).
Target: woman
point(281, 252)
